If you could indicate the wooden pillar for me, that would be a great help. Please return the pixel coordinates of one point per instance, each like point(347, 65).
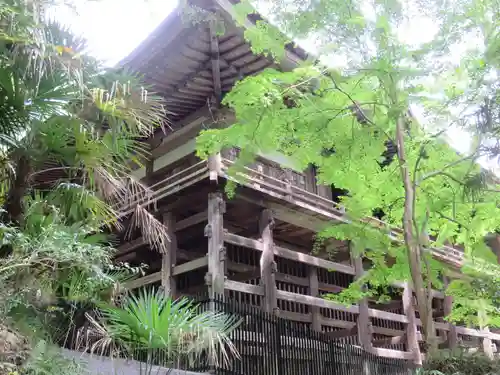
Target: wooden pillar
point(452, 337)
point(214, 231)
point(214, 166)
point(267, 263)
point(169, 259)
point(411, 326)
point(363, 322)
point(314, 292)
point(487, 344)
point(310, 179)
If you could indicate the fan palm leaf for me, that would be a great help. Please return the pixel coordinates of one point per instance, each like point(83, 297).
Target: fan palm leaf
point(177, 328)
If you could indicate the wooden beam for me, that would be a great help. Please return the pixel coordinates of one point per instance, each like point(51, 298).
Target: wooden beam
point(244, 288)
point(169, 259)
point(215, 58)
point(411, 327)
point(341, 333)
point(452, 337)
point(314, 292)
point(267, 263)
point(390, 353)
point(315, 301)
point(191, 265)
point(390, 341)
point(216, 251)
point(191, 221)
point(289, 254)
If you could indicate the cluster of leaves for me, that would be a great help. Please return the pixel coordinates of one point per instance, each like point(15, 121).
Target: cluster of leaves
point(460, 362)
point(342, 121)
point(151, 322)
point(69, 132)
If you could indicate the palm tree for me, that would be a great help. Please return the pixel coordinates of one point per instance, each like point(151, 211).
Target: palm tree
point(69, 132)
point(69, 129)
point(165, 331)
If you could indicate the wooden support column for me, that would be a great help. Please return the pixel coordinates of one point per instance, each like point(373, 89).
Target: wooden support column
point(214, 167)
point(452, 337)
point(267, 263)
point(214, 231)
point(169, 259)
point(411, 326)
point(314, 292)
point(363, 322)
point(487, 344)
point(310, 179)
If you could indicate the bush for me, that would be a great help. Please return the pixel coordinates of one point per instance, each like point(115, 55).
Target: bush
point(460, 362)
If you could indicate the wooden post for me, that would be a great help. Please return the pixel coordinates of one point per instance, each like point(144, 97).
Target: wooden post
point(411, 327)
point(452, 337)
point(267, 263)
point(487, 344)
point(310, 179)
point(214, 166)
point(325, 191)
point(314, 292)
point(214, 231)
point(363, 322)
point(169, 259)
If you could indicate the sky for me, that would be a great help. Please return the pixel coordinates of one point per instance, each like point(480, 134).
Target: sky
point(114, 28)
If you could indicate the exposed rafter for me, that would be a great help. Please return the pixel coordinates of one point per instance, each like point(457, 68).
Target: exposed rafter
point(215, 58)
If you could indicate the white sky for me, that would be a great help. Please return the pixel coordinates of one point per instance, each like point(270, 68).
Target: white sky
point(114, 28)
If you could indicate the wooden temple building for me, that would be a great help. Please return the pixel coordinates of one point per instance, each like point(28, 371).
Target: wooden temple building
point(255, 248)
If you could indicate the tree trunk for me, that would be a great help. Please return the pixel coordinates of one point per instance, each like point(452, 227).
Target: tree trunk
point(412, 243)
point(17, 192)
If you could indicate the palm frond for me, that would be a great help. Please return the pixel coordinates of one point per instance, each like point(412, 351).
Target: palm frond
point(178, 328)
point(152, 230)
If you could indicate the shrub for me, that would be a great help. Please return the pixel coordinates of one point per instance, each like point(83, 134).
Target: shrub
point(461, 362)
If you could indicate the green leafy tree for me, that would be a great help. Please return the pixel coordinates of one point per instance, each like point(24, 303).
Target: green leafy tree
point(70, 131)
point(172, 331)
point(355, 125)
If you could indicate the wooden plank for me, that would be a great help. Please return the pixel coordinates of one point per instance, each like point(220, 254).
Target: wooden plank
point(289, 254)
point(215, 58)
point(192, 220)
point(216, 251)
point(411, 327)
point(390, 341)
point(343, 333)
point(169, 259)
point(145, 280)
point(191, 265)
point(267, 263)
point(244, 288)
point(315, 301)
point(390, 353)
point(314, 292)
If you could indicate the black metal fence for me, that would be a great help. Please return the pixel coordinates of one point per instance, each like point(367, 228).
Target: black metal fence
point(269, 345)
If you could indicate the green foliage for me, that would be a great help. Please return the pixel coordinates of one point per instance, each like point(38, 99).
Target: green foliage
point(178, 328)
point(386, 75)
point(460, 362)
point(47, 360)
point(69, 131)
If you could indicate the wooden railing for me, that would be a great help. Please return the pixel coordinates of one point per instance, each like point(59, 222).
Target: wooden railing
point(168, 186)
point(285, 190)
point(376, 315)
